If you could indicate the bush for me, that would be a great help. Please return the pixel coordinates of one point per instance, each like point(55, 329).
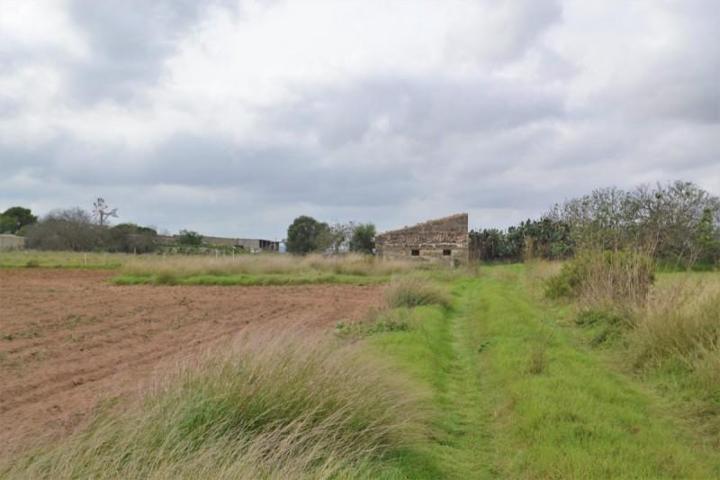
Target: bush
point(189, 238)
point(70, 229)
point(131, 238)
point(613, 280)
point(279, 406)
point(416, 291)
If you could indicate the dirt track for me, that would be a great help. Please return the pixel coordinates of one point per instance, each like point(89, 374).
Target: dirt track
point(69, 339)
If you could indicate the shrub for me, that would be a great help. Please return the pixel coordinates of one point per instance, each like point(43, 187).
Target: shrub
point(613, 280)
point(189, 238)
point(416, 291)
point(277, 406)
point(131, 238)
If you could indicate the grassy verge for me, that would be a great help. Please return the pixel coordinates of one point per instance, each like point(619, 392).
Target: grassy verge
point(278, 406)
point(515, 396)
point(35, 259)
point(671, 343)
point(250, 280)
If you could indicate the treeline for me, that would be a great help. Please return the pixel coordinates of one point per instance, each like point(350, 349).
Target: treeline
point(307, 235)
point(75, 230)
point(544, 238)
point(676, 223)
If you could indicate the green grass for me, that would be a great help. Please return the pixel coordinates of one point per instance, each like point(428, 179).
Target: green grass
point(250, 280)
point(35, 259)
point(517, 396)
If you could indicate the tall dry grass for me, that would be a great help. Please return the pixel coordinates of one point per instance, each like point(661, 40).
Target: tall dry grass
point(681, 322)
point(264, 264)
point(277, 406)
point(605, 280)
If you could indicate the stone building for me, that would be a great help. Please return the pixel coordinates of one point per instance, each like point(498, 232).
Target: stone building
point(443, 240)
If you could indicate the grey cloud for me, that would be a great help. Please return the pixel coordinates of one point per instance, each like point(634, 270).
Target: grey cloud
point(424, 109)
point(129, 42)
point(271, 173)
point(503, 32)
point(681, 82)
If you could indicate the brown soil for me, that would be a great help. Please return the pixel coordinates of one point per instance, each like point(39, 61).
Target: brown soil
point(69, 339)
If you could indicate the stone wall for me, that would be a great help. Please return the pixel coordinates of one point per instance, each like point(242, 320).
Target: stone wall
point(440, 240)
point(11, 242)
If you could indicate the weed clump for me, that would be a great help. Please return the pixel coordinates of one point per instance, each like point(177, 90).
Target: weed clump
point(605, 279)
point(166, 278)
point(537, 361)
point(394, 320)
point(416, 291)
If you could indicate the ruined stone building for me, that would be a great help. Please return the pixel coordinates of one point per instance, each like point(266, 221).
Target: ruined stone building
point(444, 239)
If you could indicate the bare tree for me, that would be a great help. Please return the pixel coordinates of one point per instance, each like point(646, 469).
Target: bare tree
point(102, 211)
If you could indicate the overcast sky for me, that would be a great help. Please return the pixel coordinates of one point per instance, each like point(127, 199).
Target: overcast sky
point(234, 117)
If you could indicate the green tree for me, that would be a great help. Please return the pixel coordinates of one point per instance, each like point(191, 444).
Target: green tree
point(362, 239)
point(190, 238)
point(131, 238)
point(307, 235)
point(14, 218)
point(708, 239)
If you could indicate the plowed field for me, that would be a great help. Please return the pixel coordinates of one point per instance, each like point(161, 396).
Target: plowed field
point(69, 339)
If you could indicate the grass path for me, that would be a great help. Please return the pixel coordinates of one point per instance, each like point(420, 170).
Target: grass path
point(515, 396)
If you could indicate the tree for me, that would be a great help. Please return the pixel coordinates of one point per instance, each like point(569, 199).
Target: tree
point(544, 238)
point(15, 218)
point(362, 239)
point(672, 222)
point(708, 239)
point(131, 238)
point(335, 237)
point(102, 211)
point(70, 229)
point(306, 235)
point(190, 238)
